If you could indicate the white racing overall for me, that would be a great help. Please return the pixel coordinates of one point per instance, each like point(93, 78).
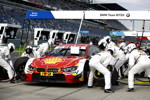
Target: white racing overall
point(138, 61)
point(4, 57)
point(99, 62)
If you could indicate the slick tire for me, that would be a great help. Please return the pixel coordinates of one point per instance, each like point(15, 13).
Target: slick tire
point(86, 71)
point(3, 74)
point(19, 66)
point(99, 78)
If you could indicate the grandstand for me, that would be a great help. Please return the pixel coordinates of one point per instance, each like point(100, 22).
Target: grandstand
point(14, 11)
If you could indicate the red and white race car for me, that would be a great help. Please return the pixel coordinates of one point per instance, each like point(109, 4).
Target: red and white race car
point(66, 63)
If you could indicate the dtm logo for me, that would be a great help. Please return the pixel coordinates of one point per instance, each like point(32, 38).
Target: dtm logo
point(128, 14)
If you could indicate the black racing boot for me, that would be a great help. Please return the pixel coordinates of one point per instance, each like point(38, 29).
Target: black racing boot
point(108, 91)
point(12, 80)
point(130, 89)
point(90, 86)
point(149, 79)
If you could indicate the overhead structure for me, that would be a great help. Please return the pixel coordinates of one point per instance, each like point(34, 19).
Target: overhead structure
point(129, 33)
point(140, 35)
point(83, 15)
point(8, 33)
point(119, 15)
point(42, 35)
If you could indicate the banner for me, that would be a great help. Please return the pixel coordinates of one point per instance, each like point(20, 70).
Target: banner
point(130, 33)
point(54, 14)
point(123, 15)
point(39, 15)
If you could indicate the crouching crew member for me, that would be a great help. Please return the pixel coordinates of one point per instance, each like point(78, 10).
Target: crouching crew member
point(5, 61)
point(138, 61)
point(99, 62)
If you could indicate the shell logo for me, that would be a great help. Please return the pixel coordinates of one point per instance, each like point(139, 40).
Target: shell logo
point(52, 60)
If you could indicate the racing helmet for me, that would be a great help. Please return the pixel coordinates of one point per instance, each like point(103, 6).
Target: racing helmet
point(29, 49)
point(11, 47)
point(51, 41)
point(108, 39)
point(131, 47)
point(102, 44)
point(122, 45)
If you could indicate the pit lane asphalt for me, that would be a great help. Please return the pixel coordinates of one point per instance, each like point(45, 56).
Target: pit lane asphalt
point(39, 91)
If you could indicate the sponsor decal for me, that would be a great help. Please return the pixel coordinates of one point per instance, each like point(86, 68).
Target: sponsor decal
point(52, 60)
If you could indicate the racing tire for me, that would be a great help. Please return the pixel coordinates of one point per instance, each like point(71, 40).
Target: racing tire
point(99, 78)
point(86, 71)
point(19, 66)
point(3, 74)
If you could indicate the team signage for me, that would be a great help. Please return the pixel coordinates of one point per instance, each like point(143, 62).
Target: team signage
point(137, 15)
point(130, 33)
point(54, 14)
point(84, 31)
point(131, 15)
point(39, 15)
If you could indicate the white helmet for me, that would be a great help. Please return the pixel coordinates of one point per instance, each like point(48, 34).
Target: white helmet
point(122, 45)
point(102, 44)
point(51, 41)
point(130, 47)
point(29, 49)
point(108, 39)
point(11, 47)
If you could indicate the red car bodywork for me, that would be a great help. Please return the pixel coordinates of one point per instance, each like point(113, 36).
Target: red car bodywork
point(50, 68)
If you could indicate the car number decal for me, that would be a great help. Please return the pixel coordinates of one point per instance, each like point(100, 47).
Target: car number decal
point(46, 73)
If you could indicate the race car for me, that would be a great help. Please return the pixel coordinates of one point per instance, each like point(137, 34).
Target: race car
point(66, 63)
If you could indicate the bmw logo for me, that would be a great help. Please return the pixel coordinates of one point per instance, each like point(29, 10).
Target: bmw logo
point(128, 14)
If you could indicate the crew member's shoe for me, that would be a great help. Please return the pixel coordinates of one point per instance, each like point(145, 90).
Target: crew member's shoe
point(108, 91)
point(90, 86)
point(12, 81)
point(130, 89)
point(149, 79)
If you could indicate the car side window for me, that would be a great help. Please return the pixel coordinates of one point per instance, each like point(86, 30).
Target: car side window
point(92, 50)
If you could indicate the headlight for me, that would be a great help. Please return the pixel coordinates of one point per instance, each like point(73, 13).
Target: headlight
point(69, 69)
point(31, 68)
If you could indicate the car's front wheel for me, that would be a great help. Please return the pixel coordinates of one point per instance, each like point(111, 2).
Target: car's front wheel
point(3, 74)
point(19, 66)
point(86, 71)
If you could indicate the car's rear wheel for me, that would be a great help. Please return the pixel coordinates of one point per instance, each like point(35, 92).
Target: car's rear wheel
point(19, 66)
point(99, 77)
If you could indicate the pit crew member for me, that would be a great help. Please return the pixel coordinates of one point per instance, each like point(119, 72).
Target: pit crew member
point(138, 61)
point(99, 62)
point(6, 62)
point(117, 53)
point(43, 48)
point(30, 53)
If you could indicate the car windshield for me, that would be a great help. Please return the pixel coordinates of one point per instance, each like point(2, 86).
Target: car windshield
point(65, 52)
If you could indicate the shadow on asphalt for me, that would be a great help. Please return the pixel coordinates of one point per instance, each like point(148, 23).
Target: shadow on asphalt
point(73, 85)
